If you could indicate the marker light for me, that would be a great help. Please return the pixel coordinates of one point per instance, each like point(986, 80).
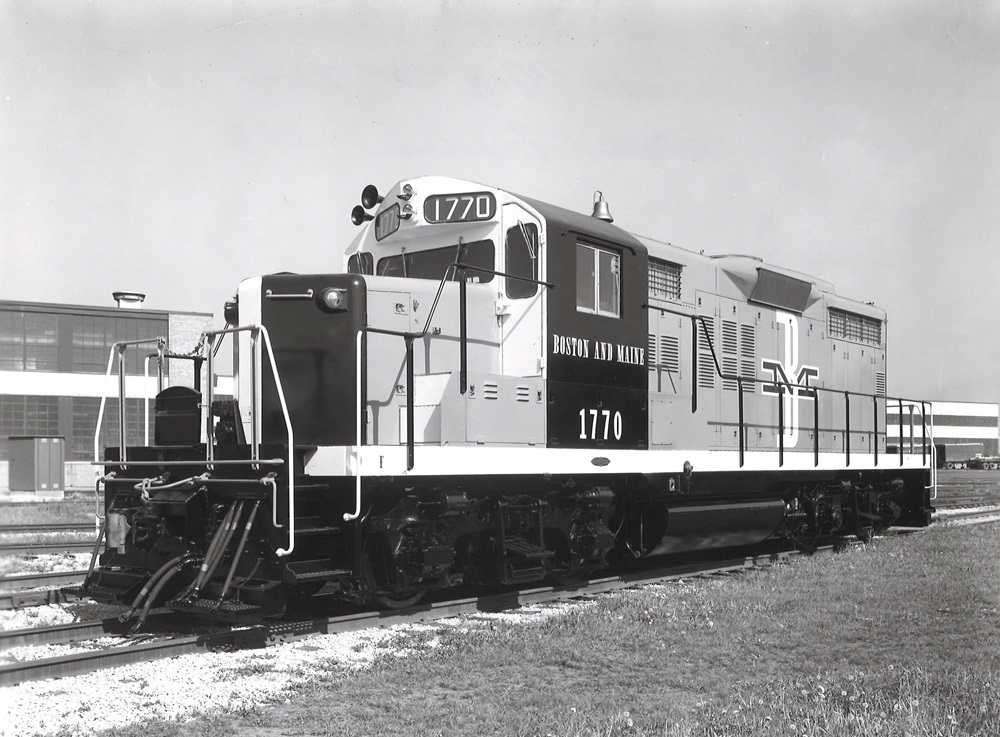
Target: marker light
point(406, 193)
point(407, 212)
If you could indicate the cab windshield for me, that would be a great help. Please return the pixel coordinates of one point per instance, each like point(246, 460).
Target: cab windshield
point(432, 264)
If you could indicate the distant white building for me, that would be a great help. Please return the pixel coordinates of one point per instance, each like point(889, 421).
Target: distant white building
point(961, 430)
point(53, 358)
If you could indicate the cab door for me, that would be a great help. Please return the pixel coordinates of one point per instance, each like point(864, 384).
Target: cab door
point(520, 307)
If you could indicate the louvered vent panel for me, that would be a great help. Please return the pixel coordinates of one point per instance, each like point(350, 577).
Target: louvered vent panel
point(729, 366)
point(748, 357)
point(523, 393)
point(654, 360)
point(706, 364)
point(728, 358)
point(670, 353)
point(490, 390)
point(729, 334)
point(880, 383)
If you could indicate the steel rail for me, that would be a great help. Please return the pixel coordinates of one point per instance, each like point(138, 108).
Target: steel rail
point(280, 632)
point(33, 580)
point(60, 527)
point(27, 599)
point(136, 652)
point(15, 591)
point(46, 548)
point(60, 634)
point(967, 515)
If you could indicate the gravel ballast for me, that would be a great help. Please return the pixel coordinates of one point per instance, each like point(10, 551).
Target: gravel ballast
point(187, 686)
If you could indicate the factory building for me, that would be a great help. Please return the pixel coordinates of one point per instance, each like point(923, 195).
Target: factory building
point(53, 364)
point(961, 430)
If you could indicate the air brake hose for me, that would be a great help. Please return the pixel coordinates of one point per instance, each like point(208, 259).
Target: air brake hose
point(238, 553)
point(221, 550)
point(150, 583)
point(212, 547)
point(152, 597)
point(210, 551)
point(97, 549)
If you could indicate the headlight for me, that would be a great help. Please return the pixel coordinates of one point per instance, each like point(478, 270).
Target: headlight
point(333, 300)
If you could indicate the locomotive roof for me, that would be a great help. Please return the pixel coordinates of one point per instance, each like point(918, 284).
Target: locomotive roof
point(585, 224)
point(742, 270)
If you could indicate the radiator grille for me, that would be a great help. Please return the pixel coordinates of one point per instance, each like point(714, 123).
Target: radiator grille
point(748, 357)
point(664, 280)
point(852, 326)
point(706, 363)
point(670, 353)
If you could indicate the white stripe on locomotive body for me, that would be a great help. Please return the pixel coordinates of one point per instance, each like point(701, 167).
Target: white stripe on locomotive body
point(385, 461)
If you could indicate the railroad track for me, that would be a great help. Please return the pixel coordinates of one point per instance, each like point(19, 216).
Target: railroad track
point(959, 501)
point(971, 515)
point(15, 593)
point(132, 651)
point(31, 548)
point(60, 527)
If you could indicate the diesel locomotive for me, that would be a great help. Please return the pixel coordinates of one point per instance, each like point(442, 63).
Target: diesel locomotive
point(494, 391)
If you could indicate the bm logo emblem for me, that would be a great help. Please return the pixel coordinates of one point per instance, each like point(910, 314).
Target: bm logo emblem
point(796, 381)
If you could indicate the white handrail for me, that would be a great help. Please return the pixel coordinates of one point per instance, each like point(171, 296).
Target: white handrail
point(254, 331)
point(349, 516)
point(119, 347)
point(934, 469)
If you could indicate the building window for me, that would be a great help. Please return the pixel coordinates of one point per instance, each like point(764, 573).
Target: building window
point(598, 281)
point(27, 415)
point(12, 341)
point(94, 336)
point(41, 342)
point(854, 327)
point(664, 280)
point(521, 258)
point(29, 341)
point(85, 412)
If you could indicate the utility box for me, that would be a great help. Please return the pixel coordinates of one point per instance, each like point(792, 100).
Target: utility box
point(37, 464)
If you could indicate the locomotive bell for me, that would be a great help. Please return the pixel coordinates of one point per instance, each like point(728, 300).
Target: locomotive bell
point(601, 211)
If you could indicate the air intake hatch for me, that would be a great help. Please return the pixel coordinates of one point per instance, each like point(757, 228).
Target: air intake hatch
point(781, 291)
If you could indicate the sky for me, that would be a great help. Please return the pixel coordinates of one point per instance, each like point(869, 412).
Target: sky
point(175, 148)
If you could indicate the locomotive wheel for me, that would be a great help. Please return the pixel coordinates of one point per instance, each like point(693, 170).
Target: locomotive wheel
point(380, 574)
point(390, 602)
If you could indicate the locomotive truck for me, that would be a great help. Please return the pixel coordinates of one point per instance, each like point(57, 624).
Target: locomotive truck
point(496, 391)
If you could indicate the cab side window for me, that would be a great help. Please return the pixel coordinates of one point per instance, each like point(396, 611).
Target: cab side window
point(521, 259)
point(360, 263)
point(598, 281)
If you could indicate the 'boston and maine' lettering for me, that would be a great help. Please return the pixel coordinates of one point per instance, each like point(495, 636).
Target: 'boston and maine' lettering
point(599, 350)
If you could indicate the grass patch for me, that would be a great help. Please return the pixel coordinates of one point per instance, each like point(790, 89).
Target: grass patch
point(42, 513)
point(897, 638)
